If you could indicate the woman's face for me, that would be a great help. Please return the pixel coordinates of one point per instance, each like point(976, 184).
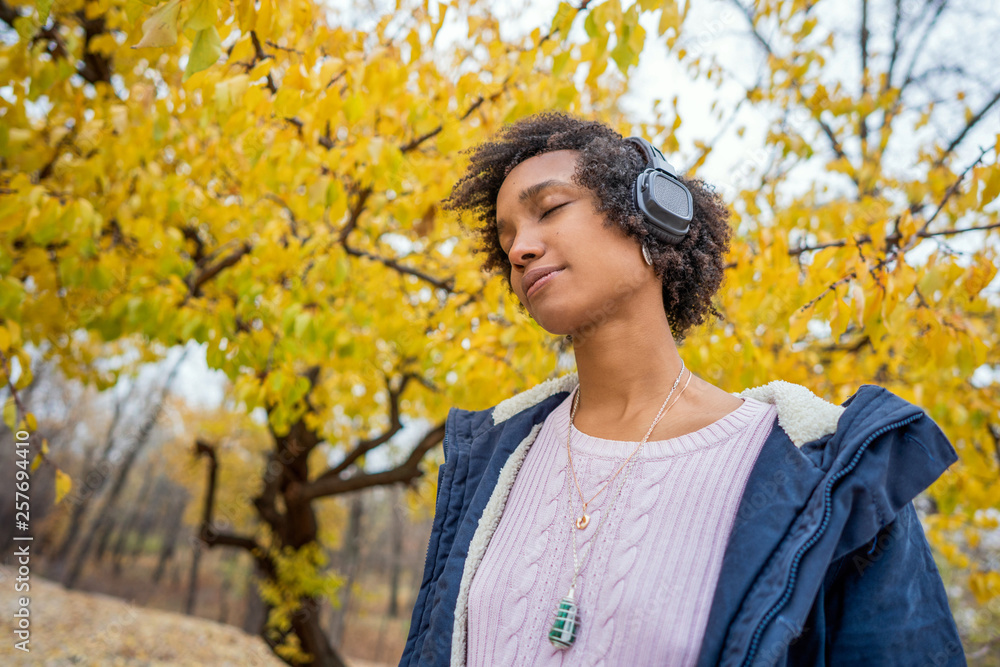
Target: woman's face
point(571, 272)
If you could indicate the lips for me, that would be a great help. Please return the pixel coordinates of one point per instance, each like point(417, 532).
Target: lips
point(535, 278)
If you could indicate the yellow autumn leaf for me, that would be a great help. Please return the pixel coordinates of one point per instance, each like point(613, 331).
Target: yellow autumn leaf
point(160, 29)
point(858, 297)
point(35, 462)
point(264, 21)
point(246, 14)
point(63, 485)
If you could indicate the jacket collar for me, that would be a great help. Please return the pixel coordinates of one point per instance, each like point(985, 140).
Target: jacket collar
point(803, 415)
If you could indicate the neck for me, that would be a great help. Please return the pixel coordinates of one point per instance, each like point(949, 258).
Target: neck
point(625, 370)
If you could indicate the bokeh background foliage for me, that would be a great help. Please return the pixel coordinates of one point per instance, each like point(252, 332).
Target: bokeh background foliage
point(265, 179)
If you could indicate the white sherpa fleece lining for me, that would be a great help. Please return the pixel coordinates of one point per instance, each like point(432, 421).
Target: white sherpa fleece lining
point(488, 523)
point(802, 414)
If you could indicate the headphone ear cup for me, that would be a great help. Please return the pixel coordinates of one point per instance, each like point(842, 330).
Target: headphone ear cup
point(666, 205)
point(663, 235)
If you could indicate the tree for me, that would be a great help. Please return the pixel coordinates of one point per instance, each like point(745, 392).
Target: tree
point(267, 182)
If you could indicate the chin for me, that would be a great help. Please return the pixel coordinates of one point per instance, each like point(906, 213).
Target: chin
point(561, 322)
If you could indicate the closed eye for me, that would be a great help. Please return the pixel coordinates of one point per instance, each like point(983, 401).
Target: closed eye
point(558, 206)
point(543, 215)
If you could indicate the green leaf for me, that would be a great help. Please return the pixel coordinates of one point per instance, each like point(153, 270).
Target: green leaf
point(340, 271)
point(301, 323)
point(203, 15)
point(44, 7)
point(205, 52)
point(134, 9)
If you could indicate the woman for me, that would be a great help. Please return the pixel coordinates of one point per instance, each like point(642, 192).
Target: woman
point(632, 513)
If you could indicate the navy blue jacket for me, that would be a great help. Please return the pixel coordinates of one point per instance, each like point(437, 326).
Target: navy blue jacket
point(827, 563)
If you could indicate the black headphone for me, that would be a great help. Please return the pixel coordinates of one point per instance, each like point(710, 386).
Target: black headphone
point(661, 196)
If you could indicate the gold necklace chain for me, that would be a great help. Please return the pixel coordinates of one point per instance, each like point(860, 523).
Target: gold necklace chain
point(584, 520)
point(566, 622)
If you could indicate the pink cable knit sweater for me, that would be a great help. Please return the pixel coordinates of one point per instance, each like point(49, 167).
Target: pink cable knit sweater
point(647, 579)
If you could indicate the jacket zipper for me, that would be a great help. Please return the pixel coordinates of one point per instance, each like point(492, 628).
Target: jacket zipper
point(755, 639)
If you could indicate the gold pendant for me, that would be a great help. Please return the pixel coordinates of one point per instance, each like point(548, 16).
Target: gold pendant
point(583, 521)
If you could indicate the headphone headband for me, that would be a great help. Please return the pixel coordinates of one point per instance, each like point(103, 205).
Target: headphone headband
point(653, 156)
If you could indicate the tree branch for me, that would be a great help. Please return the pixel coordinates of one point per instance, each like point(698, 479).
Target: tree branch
point(921, 233)
point(968, 128)
point(952, 232)
point(366, 446)
point(447, 284)
point(838, 149)
point(415, 143)
point(195, 280)
point(952, 189)
point(355, 213)
point(863, 45)
point(207, 532)
point(404, 473)
point(919, 48)
point(896, 20)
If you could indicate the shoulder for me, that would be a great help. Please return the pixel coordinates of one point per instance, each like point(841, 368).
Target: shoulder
point(802, 414)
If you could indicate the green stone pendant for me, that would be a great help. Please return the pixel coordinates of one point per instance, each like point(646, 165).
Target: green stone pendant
point(567, 622)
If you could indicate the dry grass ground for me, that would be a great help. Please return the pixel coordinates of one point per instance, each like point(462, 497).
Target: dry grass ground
point(75, 628)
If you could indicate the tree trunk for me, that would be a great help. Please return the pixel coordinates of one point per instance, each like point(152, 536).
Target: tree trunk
point(396, 558)
point(170, 537)
point(104, 517)
point(306, 624)
point(93, 483)
point(257, 609)
point(292, 523)
point(107, 528)
point(192, 592)
point(348, 566)
point(129, 525)
point(150, 518)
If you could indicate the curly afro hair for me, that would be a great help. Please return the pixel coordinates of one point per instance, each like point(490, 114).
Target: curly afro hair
point(691, 271)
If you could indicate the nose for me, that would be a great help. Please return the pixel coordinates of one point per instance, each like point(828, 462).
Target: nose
point(527, 245)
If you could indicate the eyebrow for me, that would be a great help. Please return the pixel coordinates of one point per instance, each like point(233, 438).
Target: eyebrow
point(533, 191)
